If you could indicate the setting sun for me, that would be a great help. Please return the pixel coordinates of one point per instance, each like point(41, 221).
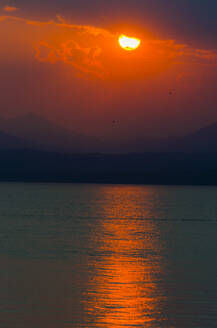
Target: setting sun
point(128, 43)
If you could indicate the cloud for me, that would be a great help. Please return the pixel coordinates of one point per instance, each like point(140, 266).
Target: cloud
point(10, 9)
point(82, 59)
point(94, 52)
point(77, 74)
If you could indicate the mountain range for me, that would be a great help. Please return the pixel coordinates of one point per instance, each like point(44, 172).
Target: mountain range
point(32, 131)
point(36, 132)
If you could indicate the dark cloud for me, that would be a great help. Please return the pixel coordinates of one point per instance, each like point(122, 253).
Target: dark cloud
point(192, 21)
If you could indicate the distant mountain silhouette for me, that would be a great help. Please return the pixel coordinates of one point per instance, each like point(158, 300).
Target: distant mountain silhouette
point(35, 149)
point(36, 132)
point(46, 135)
point(11, 142)
point(203, 140)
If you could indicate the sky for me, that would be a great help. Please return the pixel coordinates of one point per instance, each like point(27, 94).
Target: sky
point(62, 60)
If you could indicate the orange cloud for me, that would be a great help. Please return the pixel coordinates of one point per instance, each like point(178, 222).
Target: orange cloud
point(95, 52)
point(10, 9)
point(82, 59)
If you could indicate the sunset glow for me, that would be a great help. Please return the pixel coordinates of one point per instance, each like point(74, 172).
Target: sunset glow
point(108, 171)
point(149, 83)
point(128, 43)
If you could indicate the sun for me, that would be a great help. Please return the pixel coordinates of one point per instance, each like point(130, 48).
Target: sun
point(128, 43)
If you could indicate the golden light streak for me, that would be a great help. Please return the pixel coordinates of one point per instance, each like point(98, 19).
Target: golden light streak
point(123, 291)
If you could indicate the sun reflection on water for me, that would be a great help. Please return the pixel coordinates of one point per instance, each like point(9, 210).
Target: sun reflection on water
point(123, 291)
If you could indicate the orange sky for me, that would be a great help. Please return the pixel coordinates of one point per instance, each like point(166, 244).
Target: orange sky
point(79, 76)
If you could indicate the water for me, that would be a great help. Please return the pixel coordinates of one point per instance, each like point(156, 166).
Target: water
point(107, 256)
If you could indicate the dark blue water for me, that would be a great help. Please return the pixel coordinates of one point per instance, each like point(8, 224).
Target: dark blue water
point(107, 256)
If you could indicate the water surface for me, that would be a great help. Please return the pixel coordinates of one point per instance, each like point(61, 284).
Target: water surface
point(107, 256)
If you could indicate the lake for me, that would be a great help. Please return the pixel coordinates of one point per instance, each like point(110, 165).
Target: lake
point(107, 256)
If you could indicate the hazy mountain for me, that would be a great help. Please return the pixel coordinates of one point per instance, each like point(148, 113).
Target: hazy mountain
point(203, 140)
point(47, 135)
point(36, 132)
point(11, 142)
